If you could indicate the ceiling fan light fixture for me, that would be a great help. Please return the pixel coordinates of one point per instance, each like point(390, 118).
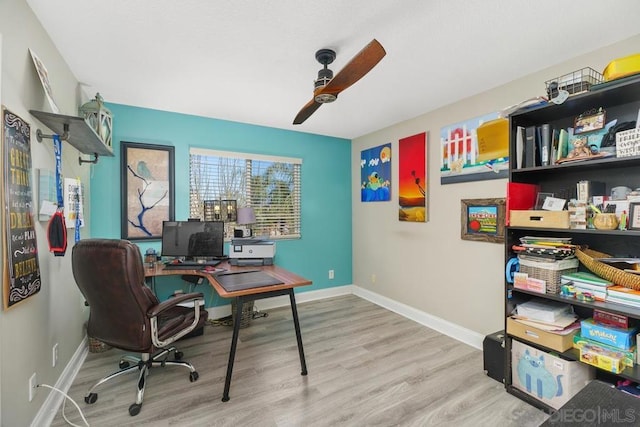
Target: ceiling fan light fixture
point(325, 98)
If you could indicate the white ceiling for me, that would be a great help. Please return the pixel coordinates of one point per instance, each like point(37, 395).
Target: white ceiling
point(254, 61)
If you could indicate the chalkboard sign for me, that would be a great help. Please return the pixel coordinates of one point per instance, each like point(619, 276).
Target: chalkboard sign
point(20, 251)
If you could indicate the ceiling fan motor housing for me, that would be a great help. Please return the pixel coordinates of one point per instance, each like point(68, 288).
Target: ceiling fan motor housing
point(325, 57)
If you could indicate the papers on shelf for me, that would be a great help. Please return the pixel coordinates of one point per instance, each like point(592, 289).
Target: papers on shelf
point(561, 326)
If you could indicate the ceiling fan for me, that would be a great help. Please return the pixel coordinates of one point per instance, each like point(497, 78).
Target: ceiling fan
point(327, 87)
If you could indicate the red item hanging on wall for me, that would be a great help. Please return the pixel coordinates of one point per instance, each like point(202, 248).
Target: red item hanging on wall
point(57, 234)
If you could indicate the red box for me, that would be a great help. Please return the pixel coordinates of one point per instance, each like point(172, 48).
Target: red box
point(520, 197)
point(610, 319)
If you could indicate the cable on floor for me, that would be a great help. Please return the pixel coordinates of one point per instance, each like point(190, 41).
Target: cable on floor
point(63, 405)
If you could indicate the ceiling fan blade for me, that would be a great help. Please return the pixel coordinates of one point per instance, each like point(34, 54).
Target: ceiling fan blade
point(306, 111)
point(358, 67)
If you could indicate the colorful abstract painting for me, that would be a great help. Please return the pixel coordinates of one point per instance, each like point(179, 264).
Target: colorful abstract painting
point(375, 172)
point(460, 158)
point(412, 179)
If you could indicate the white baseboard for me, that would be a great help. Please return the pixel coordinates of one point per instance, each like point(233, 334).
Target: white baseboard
point(52, 403)
point(445, 327)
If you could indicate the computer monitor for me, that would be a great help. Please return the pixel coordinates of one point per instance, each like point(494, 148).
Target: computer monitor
point(193, 239)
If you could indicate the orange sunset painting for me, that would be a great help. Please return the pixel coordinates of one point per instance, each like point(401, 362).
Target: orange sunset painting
point(413, 179)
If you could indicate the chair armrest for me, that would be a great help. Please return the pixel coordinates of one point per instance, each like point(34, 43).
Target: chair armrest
point(170, 303)
point(174, 301)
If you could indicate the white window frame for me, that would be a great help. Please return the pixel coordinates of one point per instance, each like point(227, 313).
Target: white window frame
point(265, 226)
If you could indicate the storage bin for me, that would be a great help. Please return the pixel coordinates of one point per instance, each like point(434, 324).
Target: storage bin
point(546, 377)
point(247, 313)
point(622, 67)
point(550, 271)
point(575, 82)
point(539, 219)
point(540, 336)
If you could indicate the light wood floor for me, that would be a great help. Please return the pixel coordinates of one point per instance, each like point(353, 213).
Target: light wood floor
point(367, 367)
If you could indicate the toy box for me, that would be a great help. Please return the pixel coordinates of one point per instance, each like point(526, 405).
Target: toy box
point(619, 338)
point(628, 356)
point(546, 377)
point(598, 356)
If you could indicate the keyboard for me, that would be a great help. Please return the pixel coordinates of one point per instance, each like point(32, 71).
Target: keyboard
point(191, 265)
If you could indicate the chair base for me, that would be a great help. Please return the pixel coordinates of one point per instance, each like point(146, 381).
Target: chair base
point(129, 364)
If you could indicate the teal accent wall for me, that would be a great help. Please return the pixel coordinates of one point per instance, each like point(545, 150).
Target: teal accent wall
point(326, 187)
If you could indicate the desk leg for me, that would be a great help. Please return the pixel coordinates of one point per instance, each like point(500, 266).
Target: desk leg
point(296, 323)
point(234, 344)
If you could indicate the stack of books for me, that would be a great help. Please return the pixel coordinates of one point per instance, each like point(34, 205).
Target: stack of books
point(622, 295)
point(587, 283)
point(546, 247)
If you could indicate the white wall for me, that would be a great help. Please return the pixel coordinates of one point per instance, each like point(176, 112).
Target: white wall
point(55, 314)
point(426, 265)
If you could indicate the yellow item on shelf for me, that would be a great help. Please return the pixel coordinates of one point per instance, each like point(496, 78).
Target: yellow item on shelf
point(622, 67)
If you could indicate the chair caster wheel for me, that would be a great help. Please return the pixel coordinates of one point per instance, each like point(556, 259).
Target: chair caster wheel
point(178, 355)
point(193, 376)
point(91, 398)
point(123, 364)
point(134, 409)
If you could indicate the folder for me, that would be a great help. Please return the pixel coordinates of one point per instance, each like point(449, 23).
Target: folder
point(520, 197)
point(519, 147)
point(545, 144)
point(530, 147)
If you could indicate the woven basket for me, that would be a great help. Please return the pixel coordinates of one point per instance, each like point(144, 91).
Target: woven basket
point(96, 346)
point(247, 313)
point(612, 274)
point(550, 271)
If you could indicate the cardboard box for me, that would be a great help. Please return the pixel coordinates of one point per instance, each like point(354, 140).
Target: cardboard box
point(539, 336)
point(622, 339)
point(604, 359)
point(540, 219)
point(627, 357)
point(523, 281)
point(546, 377)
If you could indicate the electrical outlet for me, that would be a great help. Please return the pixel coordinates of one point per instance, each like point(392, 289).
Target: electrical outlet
point(373, 278)
point(33, 383)
point(331, 274)
point(54, 355)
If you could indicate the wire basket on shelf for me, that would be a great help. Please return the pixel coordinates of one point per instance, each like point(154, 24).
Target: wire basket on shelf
point(576, 82)
point(588, 258)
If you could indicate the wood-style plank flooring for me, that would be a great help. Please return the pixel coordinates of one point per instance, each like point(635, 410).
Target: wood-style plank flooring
point(367, 367)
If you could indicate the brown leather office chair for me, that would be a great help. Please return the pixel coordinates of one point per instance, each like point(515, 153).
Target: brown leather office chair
point(125, 314)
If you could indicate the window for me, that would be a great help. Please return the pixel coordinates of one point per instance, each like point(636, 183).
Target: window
point(268, 184)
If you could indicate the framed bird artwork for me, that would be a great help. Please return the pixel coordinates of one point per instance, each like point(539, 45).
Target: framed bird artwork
point(147, 188)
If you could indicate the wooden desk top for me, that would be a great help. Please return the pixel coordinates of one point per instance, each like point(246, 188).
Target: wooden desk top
point(289, 279)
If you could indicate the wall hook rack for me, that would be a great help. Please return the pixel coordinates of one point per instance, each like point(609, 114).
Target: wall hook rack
point(76, 132)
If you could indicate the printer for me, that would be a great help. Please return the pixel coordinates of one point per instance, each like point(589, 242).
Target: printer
point(251, 251)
